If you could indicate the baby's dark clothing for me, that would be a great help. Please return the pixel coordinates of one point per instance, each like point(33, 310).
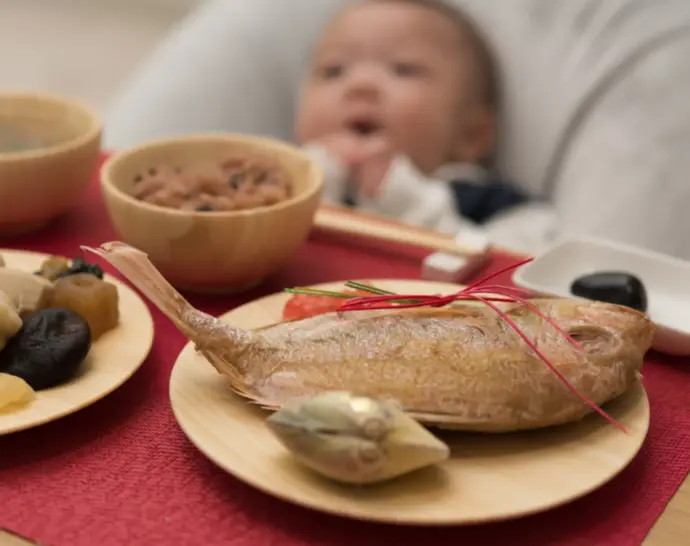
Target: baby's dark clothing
point(480, 202)
point(454, 198)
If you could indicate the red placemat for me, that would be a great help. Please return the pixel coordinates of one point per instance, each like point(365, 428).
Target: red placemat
point(122, 473)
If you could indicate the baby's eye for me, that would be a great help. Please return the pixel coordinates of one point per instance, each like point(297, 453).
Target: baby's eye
point(331, 71)
point(407, 70)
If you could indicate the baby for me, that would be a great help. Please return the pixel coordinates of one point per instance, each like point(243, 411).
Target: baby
point(399, 109)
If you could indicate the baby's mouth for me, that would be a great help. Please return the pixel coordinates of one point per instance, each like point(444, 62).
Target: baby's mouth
point(365, 127)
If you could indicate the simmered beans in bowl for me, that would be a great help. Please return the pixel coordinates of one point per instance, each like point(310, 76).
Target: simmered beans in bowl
point(215, 212)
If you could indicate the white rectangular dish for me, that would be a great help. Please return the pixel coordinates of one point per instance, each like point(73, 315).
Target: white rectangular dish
point(666, 279)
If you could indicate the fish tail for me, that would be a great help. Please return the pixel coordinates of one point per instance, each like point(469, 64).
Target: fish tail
point(136, 267)
point(199, 327)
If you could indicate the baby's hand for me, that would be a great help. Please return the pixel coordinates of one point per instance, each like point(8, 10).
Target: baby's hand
point(367, 157)
point(371, 171)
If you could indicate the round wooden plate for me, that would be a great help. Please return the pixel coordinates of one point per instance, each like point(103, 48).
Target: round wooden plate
point(113, 359)
point(487, 478)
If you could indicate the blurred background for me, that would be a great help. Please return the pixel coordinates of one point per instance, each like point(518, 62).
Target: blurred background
point(595, 92)
point(83, 49)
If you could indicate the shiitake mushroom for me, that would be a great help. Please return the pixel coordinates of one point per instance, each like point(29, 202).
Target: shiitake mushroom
point(80, 265)
point(48, 349)
point(58, 267)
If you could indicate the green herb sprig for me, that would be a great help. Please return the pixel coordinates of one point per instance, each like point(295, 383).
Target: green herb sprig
point(354, 285)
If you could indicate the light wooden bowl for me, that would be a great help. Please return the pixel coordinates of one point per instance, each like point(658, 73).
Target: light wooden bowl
point(49, 149)
point(212, 251)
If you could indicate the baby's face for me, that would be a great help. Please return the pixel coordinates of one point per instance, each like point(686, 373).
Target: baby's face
point(393, 70)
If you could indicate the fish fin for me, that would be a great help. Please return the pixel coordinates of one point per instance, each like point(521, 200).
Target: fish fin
point(240, 388)
point(447, 421)
point(237, 382)
point(220, 343)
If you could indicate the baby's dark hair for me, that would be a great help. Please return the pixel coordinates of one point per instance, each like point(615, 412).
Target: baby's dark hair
point(485, 70)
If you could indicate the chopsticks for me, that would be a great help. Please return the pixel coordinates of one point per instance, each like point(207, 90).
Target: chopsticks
point(342, 220)
point(9, 538)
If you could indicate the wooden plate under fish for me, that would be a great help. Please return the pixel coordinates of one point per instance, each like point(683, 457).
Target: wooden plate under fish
point(113, 358)
point(487, 478)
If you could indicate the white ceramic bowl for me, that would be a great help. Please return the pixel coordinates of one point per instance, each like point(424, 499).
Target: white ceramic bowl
point(666, 279)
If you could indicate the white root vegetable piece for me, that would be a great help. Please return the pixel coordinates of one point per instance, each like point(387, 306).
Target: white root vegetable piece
point(10, 322)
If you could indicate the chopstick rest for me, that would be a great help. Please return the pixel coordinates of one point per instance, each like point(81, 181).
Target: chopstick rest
point(442, 267)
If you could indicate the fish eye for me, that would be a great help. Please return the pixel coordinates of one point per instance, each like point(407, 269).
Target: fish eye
point(595, 340)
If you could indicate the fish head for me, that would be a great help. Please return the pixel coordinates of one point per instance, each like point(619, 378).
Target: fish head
point(354, 439)
point(602, 328)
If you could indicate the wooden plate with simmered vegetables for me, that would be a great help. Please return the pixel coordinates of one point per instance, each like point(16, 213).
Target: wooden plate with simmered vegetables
point(69, 336)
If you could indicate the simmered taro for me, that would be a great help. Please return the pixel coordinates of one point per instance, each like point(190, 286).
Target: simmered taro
point(95, 300)
point(27, 292)
point(48, 349)
point(10, 321)
point(612, 287)
point(15, 393)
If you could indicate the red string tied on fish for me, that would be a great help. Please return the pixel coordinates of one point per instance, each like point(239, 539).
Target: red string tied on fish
point(489, 295)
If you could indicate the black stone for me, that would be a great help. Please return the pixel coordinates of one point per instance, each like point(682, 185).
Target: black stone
point(204, 208)
point(613, 287)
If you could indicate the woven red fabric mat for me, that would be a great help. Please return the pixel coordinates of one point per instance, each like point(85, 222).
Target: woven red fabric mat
point(122, 473)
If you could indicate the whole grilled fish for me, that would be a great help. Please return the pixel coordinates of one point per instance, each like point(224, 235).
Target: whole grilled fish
point(355, 439)
point(462, 367)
